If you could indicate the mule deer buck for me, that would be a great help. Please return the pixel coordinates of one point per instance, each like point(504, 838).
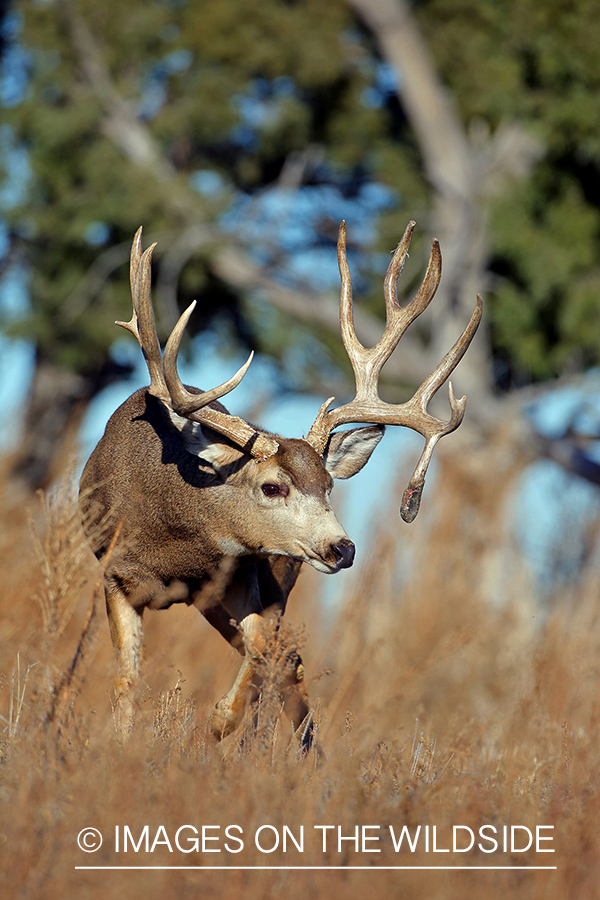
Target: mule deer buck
point(218, 513)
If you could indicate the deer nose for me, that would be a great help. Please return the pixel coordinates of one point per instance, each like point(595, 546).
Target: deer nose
point(343, 551)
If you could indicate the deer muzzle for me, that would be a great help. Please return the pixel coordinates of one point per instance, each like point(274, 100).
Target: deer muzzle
point(343, 552)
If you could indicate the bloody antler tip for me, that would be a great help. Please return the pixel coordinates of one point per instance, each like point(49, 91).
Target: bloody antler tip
point(411, 501)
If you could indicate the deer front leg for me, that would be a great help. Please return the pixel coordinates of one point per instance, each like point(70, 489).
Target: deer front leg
point(250, 641)
point(257, 637)
point(229, 711)
point(125, 623)
point(247, 617)
point(277, 576)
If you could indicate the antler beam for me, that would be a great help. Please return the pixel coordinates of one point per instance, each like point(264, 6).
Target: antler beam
point(165, 382)
point(367, 363)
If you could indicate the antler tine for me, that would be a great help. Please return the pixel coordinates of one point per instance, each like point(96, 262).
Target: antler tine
point(435, 428)
point(394, 269)
point(398, 318)
point(349, 338)
point(195, 406)
point(320, 429)
point(134, 265)
point(411, 499)
point(184, 402)
point(134, 259)
point(430, 283)
point(142, 302)
point(142, 323)
point(433, 383)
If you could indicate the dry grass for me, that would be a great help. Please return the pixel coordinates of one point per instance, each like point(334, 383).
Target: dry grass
point(432, 708)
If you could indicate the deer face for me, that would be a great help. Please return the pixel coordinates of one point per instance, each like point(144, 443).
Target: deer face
point(291, 497)
point(281, 505)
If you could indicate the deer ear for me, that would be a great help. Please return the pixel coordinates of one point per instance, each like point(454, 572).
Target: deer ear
point(348, 451)
point(205, 443)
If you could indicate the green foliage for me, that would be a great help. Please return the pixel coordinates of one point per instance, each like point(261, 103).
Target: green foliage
point(537, 63)
point(188, 72)
point(550, 321)
point(237, 88)
point(233, 88)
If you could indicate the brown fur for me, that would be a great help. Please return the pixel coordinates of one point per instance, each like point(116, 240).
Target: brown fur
point(196, 527)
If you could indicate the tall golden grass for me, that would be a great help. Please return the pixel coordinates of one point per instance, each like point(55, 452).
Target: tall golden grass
point(433, 707)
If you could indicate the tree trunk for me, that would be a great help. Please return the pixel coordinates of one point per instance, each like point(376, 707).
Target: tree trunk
point(463, 171)
point(57, 402)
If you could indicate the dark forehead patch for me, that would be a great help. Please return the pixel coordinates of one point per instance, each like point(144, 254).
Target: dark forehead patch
point(304, 466)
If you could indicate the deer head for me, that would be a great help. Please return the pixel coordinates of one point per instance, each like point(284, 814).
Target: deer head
point(339, 450)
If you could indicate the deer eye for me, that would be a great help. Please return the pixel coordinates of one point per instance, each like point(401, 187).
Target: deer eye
point(273, 490)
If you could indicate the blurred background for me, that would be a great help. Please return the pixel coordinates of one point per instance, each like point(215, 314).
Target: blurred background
point(239, 134)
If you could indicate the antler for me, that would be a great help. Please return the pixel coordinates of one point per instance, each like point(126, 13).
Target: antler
point(367, 363)
point(164, 378)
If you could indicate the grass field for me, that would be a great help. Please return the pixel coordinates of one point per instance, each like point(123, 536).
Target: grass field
point(434, 709)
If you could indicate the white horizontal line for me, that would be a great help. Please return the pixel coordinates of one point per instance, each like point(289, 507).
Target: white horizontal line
point(322, 868)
